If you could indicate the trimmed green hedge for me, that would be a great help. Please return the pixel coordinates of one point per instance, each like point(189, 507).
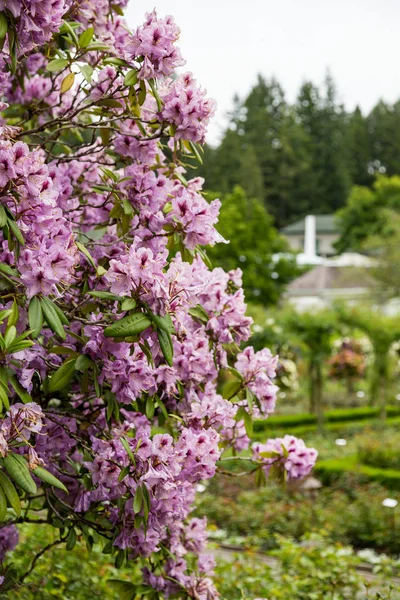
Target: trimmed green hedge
point(330, 469)
point(341, 415)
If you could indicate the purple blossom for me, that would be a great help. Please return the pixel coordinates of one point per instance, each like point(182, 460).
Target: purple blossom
point(8, 540)
point(187, 108)
point(154, 41)
point(288, 452)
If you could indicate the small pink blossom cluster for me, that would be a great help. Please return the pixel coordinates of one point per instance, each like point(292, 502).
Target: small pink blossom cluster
point(289, 453)
point(187, 108)
point(36, 20)
point(30, 190)
point(8, 540)
point(21, 421)
point(258, 370)
point(154, 41)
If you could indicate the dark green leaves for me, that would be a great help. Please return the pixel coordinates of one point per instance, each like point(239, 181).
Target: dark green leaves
point(198, 313)
point(165, 323)
point(164, 337)
point(10, 493)
point(17, 469)
point(131, 77)
point(49, 478)
point(86, 37)
point(129, 326)
point(35, 315)
point(63, 376)
point(53, 318)
point(3, 26)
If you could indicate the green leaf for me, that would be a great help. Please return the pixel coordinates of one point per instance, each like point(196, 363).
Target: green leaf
point(21, 391)
point(3, 505)
point(128, 304)
point(71, 539)
point(109, 103)
point(87, 72)
point(138, 500)
point(124, 472)
point(128, 326)
point(146, 349)
point(242, 414)
point(83, 362)
point(8, 270)
point(165, 323)
point(52, 318)
point(3, 26)
point(63, 376)
point(35, 316)
point(49, 478)
point(166, 345)
point(105, 296)
point(231, 388)
point(16, 231)
point(86, 252)
point(198, 312)
point(124, 589)
point(119, 561)
point(86, 37)
point(19, 473)
point(131, 78)
point(3, 214)
point(17, 346)
point(14, 316)
point(58, 64)
point(11, 493)
point(142, 92)
point(10, 336)
point(150, 408)
point(128, 449)
point(155, 94)
point(4, 395)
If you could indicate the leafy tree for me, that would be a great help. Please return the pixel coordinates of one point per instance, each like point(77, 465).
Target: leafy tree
point(368, 212)
point(382, 331)
point(315, 331)
point(383, 124)
point(323, 120)
point(358, 148)
point(253, 242)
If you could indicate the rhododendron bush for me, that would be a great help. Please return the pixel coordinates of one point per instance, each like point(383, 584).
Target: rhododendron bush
point(121, 376)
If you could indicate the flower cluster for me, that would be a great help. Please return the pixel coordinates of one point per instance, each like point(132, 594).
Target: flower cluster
point(154, 41)
point(187, 109)
point(288, 453)
point(258, 369)
point(349, 362)
point(35, 21)
point(115, 331)
point(30, 191)
point(8, 540)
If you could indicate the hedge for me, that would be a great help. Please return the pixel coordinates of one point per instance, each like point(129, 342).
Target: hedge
point(341, 415)
point(330, 469)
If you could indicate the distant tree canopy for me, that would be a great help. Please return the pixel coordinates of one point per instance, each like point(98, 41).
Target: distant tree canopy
point(254, 244)
point(370, 214)
point(304, 157)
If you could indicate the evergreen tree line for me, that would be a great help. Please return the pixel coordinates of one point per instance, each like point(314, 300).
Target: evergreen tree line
point(304, 157)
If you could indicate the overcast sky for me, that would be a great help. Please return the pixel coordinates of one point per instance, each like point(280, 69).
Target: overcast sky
point(226, 43)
